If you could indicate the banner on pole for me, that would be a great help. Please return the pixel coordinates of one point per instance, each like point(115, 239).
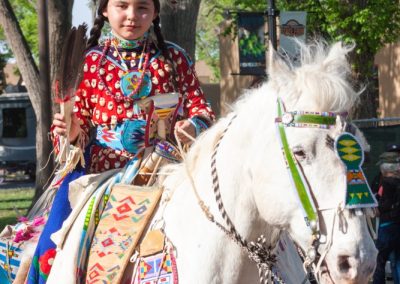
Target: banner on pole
point(293, 27)
point(251, 36)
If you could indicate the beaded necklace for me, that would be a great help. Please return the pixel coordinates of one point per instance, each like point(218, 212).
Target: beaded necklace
point(136, 86)
point(129, 44)
point(123, 64)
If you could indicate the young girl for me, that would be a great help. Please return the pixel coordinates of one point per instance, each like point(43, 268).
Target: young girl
point(132, 63)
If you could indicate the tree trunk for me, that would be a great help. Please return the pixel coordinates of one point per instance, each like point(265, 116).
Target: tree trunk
point(60, 20)
point(2, 75)
point(59, 14)
point(178, 24)
point(44, 165)
point(59, 23)
point(364, 76)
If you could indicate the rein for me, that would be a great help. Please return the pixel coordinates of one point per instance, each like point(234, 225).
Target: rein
point(258, 251)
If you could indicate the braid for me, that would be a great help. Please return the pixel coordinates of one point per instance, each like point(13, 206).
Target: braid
point(95, 32)
point(164, 50)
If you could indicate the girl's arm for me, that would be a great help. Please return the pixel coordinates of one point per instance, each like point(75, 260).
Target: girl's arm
point(195, 104)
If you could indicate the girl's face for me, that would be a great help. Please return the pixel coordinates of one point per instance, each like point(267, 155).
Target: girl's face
point(130, 19)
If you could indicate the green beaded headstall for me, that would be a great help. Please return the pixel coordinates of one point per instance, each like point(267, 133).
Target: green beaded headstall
point(358, 193)
point(300, 119)
point(310, 119)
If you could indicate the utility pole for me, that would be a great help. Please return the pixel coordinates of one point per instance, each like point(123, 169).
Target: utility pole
point(272, 14)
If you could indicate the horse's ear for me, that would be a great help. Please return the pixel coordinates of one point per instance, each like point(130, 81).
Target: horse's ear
point(278, 69)
point(336, 61)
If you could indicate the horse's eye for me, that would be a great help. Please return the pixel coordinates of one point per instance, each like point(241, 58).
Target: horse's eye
point(299, 153)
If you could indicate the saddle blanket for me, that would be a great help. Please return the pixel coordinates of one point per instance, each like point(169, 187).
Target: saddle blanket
point(120, 227)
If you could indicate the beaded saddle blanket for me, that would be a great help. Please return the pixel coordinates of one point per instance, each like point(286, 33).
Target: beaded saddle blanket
point(124, 219)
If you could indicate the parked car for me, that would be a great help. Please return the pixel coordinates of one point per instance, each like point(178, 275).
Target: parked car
point(17, 134)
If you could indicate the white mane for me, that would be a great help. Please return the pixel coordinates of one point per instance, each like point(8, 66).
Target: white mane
point(320, 83)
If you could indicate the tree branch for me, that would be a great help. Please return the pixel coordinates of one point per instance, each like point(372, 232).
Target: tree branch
point(21, 51)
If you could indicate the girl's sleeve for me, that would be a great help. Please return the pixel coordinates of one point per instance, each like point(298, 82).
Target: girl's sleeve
point(195, 105)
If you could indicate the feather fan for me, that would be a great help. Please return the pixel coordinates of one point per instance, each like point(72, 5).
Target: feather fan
point(68, 76)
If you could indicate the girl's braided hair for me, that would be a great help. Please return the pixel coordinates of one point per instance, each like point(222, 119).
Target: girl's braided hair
point(95, 34)
point(98, 24)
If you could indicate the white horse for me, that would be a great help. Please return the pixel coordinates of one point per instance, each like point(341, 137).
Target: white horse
point(255, 186)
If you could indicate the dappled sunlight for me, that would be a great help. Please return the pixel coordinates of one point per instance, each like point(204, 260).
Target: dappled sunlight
point(388, 61)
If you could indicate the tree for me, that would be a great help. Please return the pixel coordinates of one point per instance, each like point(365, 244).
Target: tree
point(369, 24)
point(26, 15)
point(25, 12)
point(179, 22)
point(207, 48)
point(59, 15)
point(212, 13)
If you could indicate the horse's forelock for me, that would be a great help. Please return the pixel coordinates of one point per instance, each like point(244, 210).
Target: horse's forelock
point(321, 82)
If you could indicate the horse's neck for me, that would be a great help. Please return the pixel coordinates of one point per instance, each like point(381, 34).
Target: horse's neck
point(246, 133)
point(199, 242)
point(204, 253)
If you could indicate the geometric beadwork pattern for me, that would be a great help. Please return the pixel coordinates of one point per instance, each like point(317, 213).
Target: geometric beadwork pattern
point(119, 230)
point(157, 269)
point(10, 258)
point(358, 193)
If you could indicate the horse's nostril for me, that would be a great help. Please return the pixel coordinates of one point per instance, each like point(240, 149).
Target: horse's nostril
point(343, 263)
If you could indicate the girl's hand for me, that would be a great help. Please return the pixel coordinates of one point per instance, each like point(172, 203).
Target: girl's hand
point(186, 126)
point(61, 126)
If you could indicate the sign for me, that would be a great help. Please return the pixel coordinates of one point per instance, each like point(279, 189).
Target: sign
point(293, 27)
point(251, 36)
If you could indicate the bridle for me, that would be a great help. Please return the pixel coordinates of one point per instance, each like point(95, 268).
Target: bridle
point(258, 251)
point(351, 154)
point(303, 119)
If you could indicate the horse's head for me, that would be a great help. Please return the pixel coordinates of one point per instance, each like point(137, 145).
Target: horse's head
point(345, 250)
